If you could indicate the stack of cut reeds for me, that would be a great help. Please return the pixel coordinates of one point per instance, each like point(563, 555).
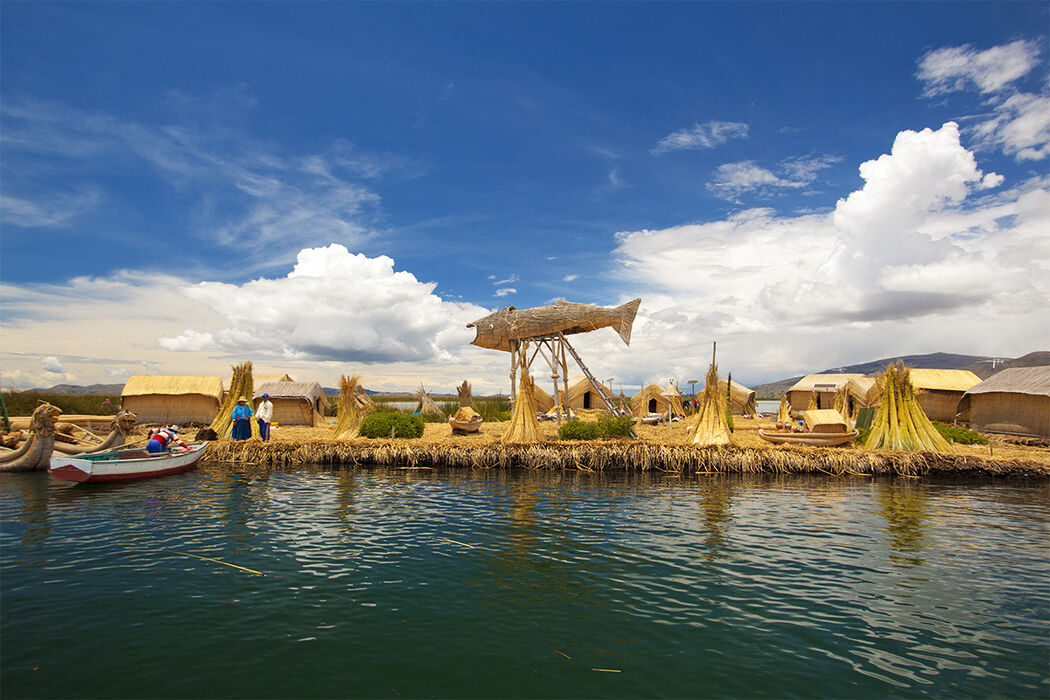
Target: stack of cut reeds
point(842, 403)
point(524, 428)
point(352, 408)
point(241, 384)
point(901, 423)
point(711, 427)
point(784, 412)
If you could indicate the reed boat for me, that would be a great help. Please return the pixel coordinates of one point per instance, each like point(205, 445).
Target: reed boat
point(124, 465)
point(824, 428)
point(813, 439)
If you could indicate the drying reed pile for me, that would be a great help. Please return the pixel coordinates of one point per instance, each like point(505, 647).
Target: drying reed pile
point(241, 384)
point(352, 408)
point(711, 427)
point(900, 423)
point(524, 428)
point(614, 456)
point(812, 405)
point(425, 406)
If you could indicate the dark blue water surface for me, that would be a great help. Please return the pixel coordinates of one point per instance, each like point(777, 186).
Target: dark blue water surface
point(481, 583)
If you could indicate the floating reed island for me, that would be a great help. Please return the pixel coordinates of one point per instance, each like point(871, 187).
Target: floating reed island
point(623, 455)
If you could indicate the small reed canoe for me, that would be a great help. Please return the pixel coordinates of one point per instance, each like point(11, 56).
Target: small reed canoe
point(124, 465)
point(812, 439)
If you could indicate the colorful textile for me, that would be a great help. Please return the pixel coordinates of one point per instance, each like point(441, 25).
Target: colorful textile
point(242, 429)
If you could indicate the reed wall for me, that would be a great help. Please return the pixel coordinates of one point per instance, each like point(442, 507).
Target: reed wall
point(1014, 414)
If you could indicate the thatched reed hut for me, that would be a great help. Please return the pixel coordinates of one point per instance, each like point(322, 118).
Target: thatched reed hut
point(294, 403)
point(821, 389)
point(544, 401)
point(741, 399)
point(1015, 401)
point(861, 392)
point(182, 400)
point(582, 395)
point(940, 390)
point(656, 399)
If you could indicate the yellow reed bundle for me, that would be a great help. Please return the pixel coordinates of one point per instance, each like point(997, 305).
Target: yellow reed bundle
point(842, 403)
point(463, 390)
point(524, 428)
point(711, 427)
point(241, 384)
point(901, 423)
point(812, 405)
point(351, 409)
point(784, 412)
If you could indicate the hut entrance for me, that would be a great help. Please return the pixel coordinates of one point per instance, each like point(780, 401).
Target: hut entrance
point(587, 399)
point(652, 406)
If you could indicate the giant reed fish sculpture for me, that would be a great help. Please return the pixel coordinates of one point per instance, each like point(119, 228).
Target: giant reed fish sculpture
point(496, 331)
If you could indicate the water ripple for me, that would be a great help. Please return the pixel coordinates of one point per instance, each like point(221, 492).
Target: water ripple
point(492, 583)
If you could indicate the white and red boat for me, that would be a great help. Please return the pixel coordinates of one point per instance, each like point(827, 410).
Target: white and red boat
point(124, 464)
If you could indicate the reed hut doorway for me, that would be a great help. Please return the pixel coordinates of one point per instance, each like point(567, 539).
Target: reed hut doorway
point(652, 406)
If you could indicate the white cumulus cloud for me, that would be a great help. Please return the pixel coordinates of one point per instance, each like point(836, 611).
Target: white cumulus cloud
point(52, 364)
point(928, 255)
point(333, 305)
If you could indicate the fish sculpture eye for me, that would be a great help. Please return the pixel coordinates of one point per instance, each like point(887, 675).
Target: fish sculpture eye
point(491, 326)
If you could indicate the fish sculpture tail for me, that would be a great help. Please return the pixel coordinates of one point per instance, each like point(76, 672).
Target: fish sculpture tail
point(625, 322)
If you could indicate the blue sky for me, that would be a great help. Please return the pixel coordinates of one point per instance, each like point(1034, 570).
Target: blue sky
point(325, 188)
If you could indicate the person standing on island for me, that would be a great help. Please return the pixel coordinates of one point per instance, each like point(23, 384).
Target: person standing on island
point(242, 412)
point(264, 414)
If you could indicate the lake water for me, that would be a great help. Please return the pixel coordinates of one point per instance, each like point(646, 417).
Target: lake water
point(478, 584)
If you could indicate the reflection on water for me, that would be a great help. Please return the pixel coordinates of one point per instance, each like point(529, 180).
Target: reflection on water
point(903, 504)
point(494, 583)
point(714, 502)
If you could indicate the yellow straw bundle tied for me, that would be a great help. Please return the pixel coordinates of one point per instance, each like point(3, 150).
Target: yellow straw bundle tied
point(524, 428)
point(842, 404)
point(241, 384)
point(352, 408)
point(812, 405)
point(784, 412)
point(901, 423)
point(711, 427)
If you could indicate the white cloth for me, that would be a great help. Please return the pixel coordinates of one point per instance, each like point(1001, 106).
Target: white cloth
point(265, 412)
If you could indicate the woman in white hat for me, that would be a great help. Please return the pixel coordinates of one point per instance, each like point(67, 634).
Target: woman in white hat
point(242, 413)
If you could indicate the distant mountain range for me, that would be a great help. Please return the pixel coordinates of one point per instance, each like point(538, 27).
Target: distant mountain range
point(982, 366)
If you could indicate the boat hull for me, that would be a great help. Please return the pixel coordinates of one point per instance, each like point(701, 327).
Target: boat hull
point(82, 470)
point(811, 439)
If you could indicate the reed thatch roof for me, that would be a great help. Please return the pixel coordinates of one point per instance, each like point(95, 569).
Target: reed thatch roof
point(823, 418)
point(260, 379)
point(943, 379)
point(147, 385)
point(663, 396)
point(1034, 381)
point(310, 391)
point(810, 382)
point(864, 390)
point(741, 398)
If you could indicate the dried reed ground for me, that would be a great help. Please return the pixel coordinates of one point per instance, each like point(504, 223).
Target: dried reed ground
point(1030, 461)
